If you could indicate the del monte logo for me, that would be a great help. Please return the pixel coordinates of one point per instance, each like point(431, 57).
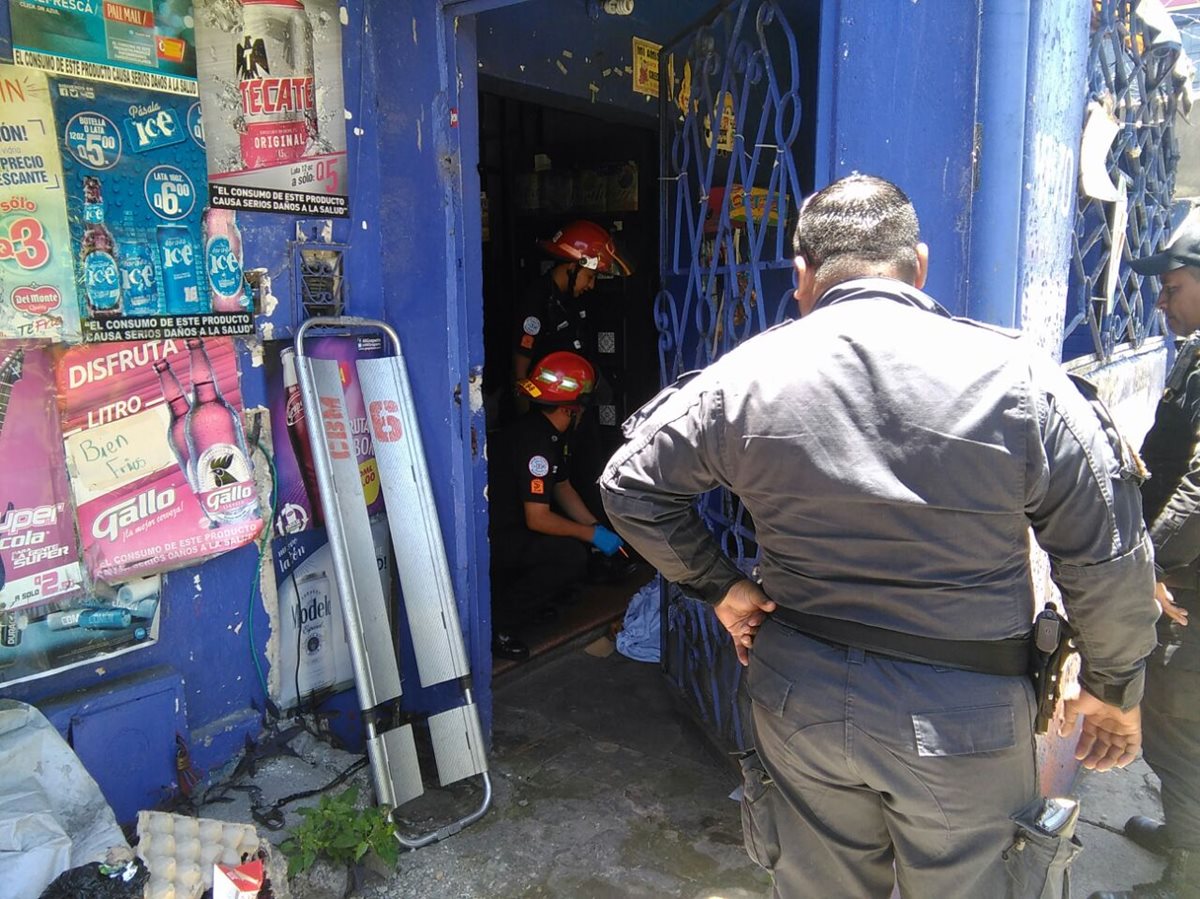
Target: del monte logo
point(35, 300)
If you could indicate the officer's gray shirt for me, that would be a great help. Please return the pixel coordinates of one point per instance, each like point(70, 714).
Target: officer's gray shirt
point(893, 460)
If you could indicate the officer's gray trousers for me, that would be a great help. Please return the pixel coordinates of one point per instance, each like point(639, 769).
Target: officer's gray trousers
point(878, 762)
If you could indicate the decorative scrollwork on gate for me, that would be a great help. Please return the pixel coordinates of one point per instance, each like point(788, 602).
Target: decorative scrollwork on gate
point(1135, 81)
point(731, 114)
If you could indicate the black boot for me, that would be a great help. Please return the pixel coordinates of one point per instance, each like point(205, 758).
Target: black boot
point(507, 646)
point(1181, 880)
point(1151, 835)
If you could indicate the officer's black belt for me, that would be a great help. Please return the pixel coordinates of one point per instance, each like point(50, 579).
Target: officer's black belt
point(1008, 657)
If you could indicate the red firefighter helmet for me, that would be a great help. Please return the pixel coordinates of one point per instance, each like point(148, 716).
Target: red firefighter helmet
point(589, 245)
point(559, 379)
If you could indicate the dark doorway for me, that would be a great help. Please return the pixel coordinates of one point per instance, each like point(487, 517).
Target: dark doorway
point(541, 167)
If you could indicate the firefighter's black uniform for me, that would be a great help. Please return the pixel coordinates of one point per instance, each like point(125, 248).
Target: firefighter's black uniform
point(528, 569)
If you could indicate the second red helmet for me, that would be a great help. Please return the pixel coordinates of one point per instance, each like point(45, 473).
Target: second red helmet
point(559, 379)
point(589, 245)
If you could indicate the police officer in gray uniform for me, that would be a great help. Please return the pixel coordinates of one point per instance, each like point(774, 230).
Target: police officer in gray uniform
point(1171, 500)
point(893, 459)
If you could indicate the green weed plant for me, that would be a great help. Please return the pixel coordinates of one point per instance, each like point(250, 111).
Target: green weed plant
point(335, 830)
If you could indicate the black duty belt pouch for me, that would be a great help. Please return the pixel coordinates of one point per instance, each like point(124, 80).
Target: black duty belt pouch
point(1010, 657)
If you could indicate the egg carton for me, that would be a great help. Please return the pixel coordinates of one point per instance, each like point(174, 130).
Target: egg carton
point(180, 851)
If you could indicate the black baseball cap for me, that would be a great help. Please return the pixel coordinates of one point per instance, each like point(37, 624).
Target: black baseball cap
point(1183, 249)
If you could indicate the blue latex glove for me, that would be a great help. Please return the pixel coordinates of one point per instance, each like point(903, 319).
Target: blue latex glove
point(605, 540)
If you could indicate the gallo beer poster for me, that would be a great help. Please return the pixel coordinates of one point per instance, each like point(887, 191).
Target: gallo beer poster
point(270, 74)
point(37, 277)
point(160, 469)
point(138, 43)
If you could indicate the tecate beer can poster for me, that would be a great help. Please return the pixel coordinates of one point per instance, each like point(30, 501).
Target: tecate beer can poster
point(298, 504)
point(37, 276)
point(160, 469)
point(312, 655)
point(145, 44)
point(39, 556)
point(50, 637)
point(151, 261)
point(270, 74)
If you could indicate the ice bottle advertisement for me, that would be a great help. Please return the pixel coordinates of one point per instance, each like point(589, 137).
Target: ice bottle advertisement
point(143, 44)
point(313, 655)
point(85, 630)
point(298, 505)
point(161, 473)
point(151, 261)
point(270, 75)
point(37, 276)
point(39, 555)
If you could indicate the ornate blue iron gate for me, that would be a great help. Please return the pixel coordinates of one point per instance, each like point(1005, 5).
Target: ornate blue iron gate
point(1132, 78)
point(731, 114)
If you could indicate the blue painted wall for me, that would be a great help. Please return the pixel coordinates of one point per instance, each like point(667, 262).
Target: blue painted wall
point(898, 99)
point(404, 260)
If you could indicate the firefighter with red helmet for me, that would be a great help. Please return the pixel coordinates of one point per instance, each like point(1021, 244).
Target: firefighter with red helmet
point(541, 530)
point(552, 316)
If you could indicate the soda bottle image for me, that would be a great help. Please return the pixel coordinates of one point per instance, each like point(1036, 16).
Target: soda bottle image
point(178, 406)
point(138, 284)
point(97, 255)
point(181, 289)
point(217, 447)
point(297, 428)
point(274, 63)
point(223, 261)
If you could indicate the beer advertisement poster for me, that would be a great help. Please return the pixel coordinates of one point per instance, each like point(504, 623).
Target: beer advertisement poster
point(143, 44)
point(39, 556)
point(313, 655)
point(152, 262)
point(158, 459)
point(86, 630)
point(297, 502)
point(270, 74)
point(37, 275)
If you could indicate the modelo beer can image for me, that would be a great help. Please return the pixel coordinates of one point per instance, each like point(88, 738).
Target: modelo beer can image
point(312, 616)
point(274, 61)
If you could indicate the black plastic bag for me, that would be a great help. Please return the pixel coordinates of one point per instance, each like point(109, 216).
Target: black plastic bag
point(98, 881)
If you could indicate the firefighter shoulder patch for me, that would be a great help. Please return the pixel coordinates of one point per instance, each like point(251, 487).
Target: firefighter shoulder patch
point(532, 325)
point(539, 467)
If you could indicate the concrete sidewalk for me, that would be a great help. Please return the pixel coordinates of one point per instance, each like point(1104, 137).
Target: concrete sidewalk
point(604, 789)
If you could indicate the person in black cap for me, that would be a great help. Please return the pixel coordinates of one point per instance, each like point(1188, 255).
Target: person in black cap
point(1171, 505)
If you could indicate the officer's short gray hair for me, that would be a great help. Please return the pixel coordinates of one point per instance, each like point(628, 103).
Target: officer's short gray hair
point(858, 221)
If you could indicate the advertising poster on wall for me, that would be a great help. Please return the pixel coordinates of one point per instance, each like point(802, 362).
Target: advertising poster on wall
point(298, 505)
point(144, 44)
point(39, 556)
point(270, 74)
point(152, 262)
point(37, 277)
point(314, 655)
point(160, 470)
point(51, 637)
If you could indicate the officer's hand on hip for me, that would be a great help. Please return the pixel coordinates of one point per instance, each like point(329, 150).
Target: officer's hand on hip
point(1110, 737)
point(605, 540)
point(1166, 602)
point(743, 610)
